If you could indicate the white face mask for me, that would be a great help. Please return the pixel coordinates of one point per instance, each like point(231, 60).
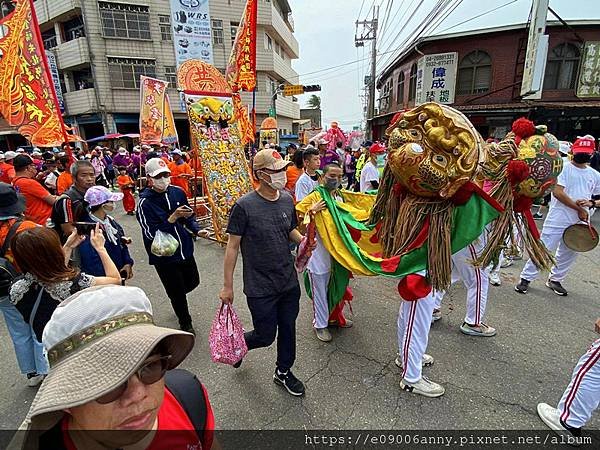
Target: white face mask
point(108, 206)
point(161, 184)
point(278, 180)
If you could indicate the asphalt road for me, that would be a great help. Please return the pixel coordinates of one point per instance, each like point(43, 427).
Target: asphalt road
point(352, 382)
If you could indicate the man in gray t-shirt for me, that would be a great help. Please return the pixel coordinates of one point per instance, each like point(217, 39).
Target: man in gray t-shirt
point(261, 224)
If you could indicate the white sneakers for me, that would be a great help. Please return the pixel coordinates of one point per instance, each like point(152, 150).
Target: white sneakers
point(424, 387)
point(551, 417)
point(426, 361)
point(34, 380)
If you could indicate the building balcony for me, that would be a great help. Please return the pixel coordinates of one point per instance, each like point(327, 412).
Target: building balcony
point(270, 62)
point(80, 102)
point(271, 20)
point(50, 10)
point(72, 54)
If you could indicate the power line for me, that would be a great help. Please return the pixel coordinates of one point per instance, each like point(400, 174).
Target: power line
point(479, 15)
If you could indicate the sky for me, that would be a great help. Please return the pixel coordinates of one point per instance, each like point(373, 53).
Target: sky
point(325, 30)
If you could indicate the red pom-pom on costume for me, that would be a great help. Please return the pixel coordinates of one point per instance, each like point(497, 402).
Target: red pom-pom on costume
point(517, 171)
point(523, 127)
point(413, 287)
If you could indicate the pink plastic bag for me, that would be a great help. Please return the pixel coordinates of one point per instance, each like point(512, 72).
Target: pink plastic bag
point(226, 339)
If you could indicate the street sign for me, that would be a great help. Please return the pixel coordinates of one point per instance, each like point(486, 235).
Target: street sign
point(293, 89)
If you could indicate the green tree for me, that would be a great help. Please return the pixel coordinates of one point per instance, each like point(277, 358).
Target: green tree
point(314, 102)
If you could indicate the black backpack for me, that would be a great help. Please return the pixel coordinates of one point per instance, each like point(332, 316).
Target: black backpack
point(8, 272)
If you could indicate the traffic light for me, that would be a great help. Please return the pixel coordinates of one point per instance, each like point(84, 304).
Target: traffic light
point(312, 88)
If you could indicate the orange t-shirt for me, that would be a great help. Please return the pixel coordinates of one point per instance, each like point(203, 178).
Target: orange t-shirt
point(37, 209)
point(176, 180)
point(64, 182)
point(293, 173)
point(7, 172)
point(5, 226)
point(124, 181)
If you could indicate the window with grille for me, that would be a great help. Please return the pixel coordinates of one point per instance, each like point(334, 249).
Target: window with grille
point(412, 87)
point(400, 89)
point(217, 31)
point(49, 38)
point(126, 72)
point(474, 73)
point(74, 29)
point(233, 26)
point(561, 68)
point(164, 22)
point(125, 21)
point(171, 76)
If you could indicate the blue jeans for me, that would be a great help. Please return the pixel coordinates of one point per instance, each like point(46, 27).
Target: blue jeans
point(30, 353)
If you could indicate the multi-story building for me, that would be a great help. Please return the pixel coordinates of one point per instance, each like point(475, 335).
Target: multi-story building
point(102, 48)
point(489, 76)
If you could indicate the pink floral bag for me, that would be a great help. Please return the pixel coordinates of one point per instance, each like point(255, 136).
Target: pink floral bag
point(226, 339)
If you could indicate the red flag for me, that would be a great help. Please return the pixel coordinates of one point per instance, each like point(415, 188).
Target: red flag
point(27, 97)
point(241, 69)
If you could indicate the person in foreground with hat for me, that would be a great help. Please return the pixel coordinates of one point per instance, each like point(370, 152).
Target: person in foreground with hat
point(571, 203)
point(37, 198)
point(7, 170)
point(262, 224)
point(181, 172)
point(165, 208)
point(369, 175)
point(100, 203)
point(579, 400)
point(111, 383)
point(30, 353)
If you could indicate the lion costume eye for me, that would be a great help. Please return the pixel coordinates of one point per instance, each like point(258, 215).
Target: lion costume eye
point(416, 148)
point(440, 160)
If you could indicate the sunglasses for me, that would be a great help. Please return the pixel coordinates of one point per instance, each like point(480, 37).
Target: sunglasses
point(149, 373)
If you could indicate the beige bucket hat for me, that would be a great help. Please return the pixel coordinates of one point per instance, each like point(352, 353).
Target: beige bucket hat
point(96, 339)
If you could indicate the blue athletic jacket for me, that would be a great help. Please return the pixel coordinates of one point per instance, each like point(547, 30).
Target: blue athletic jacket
point(152, 214)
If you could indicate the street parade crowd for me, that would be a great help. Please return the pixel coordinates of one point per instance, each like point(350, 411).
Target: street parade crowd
point(431, 205)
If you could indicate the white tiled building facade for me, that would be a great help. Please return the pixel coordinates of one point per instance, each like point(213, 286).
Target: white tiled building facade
point(102, 47)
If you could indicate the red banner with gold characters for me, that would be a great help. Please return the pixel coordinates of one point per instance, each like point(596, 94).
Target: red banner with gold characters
point(27, 97)
point(241, 69)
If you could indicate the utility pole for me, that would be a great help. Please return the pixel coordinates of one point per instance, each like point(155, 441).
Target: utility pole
point(369, 33)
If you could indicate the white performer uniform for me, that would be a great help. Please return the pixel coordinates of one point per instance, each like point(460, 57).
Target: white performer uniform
point(578, 184)
point(414, 321)
point(304, 186)
point(319, 271)
point(582, 396)
point(475, 280)
point(369, 173)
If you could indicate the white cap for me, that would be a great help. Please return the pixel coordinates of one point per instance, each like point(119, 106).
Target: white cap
point(10, 155)
point(156, 166)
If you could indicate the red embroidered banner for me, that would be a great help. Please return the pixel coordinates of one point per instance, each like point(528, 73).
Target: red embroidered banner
point(27, 97)
point(241, 69)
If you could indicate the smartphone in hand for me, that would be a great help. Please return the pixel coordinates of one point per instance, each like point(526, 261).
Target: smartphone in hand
point(84, 228)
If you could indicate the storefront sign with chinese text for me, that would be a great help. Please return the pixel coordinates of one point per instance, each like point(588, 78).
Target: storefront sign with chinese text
point(436, 78)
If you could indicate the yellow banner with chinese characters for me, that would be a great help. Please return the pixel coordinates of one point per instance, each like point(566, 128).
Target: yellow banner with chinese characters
point(152, 110)
point(27, 97)
point(169, 135)
point(226, 174)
